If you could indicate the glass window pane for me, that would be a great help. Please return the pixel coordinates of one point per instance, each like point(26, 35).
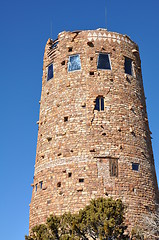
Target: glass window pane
point(41, 185)
point(102, 104)
point(74, 63)
point(135, 166)
point(128, 66)
point(50, 72)
point(97, 104)
point(103, 61)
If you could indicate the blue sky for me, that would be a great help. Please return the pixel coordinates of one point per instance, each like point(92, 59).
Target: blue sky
point(25, 27)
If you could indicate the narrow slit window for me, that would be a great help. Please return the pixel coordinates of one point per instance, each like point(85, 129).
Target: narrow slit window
point(36, 187)
point(50, 72)
point(113, 167)
point(99, 104)
point(41, 184)
point(135, 166)
point(103, 61)
point(74, 63)
point(128, 66)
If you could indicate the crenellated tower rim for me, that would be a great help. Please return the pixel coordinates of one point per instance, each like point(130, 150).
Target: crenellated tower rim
point(94, 138)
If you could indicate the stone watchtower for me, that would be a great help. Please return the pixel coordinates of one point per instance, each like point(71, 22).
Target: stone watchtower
point(94, 138)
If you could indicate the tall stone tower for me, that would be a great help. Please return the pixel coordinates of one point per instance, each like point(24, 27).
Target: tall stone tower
point(94, 138)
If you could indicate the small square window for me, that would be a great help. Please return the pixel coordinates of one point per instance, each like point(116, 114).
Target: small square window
point(103, 61)
point(99, 104)
point(91, 73)
point(65, 119)
point(128, 66)
point(50, 72)
point(69, 174)
point(74, 63)
point(81, 179)
point(70, 49)
point(135, 166)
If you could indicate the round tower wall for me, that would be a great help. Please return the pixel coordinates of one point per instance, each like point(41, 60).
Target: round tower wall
point(84, 153)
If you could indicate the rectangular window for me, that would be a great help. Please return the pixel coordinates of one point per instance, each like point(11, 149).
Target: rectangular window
point(113, 167)
point(128, 66)
point(135, 166)
point(81, 179)
point(50, 72)
point(36, 187)
point(103, 61)
point(69, 174)
point(99, 104)
point(41, 184)
point(74, 63)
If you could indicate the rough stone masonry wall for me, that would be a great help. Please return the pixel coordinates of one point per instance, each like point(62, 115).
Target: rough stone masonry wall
point(73, 157)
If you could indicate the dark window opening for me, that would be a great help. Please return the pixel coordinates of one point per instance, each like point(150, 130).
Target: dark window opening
point(91, 73)
point(99, 104)
point(91, 58)
point(92, 150)
point(81, 179)
point(74, 63)
point(41, 184)
point(69, 174)
point(135, 166)
point(65, 119)
point(59, 184)
point(63, 63)
point(90, 44)
point(36, 187)
point(50, 72)
point(128, 66)
point(113, 167)
point(103, 61)
point(49, 139)
point(79, 189)
point(103, 134)
point(70, 49)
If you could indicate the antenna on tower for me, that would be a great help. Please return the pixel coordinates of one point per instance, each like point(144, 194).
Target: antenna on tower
point(106, 14)
point(51, 28)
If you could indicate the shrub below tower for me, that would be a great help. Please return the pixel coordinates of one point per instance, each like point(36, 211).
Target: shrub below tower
point(101, 219)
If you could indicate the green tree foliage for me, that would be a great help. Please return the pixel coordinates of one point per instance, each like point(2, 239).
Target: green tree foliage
point(102, 219)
